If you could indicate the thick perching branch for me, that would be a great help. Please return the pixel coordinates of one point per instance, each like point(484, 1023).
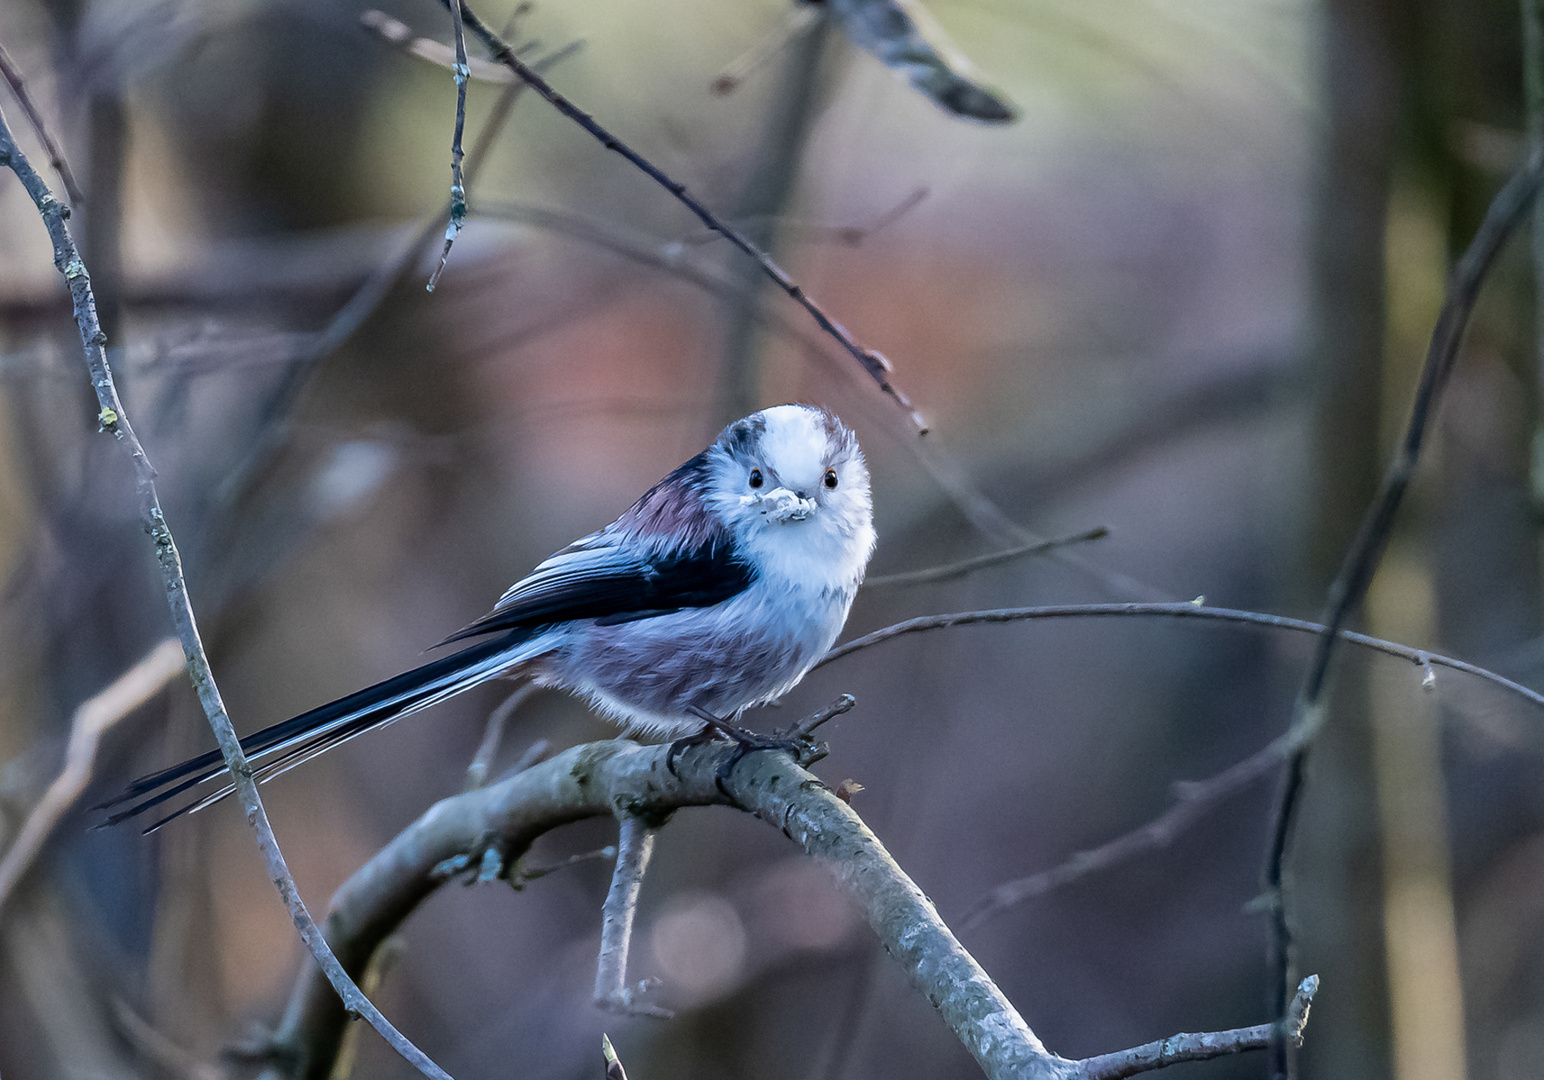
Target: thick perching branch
point(625, 779)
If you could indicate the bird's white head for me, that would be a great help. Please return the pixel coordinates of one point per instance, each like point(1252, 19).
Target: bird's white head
point(791, 484)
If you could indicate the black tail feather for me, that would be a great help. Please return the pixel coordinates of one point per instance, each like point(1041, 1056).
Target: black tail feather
point(327, 726)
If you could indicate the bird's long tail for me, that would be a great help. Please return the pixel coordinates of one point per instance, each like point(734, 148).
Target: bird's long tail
point(280, 748)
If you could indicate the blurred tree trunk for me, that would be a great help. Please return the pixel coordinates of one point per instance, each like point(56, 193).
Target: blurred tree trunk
point(1332, 868)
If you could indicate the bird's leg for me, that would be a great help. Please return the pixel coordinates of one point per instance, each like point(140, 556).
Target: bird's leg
point(635, 844)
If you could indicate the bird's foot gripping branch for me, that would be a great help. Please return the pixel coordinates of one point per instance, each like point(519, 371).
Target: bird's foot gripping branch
point(633, 783)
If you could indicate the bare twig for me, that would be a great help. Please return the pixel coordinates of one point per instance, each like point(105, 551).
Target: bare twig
point(457, 183)
point(12, 75)
point(1192, 799)
point(1203, 1047)
point(151, 1043)
point(112, 418)
point(522, 875)
point(1346, 592)
point(988, 518)
point(482, 761)
point(842, 704)
point(854, 235)
point(873, 362)
point(959, 569)
point(381, 962)
point(1422, 658)
point(800, 18)
point(95, 716)
point(635, 846)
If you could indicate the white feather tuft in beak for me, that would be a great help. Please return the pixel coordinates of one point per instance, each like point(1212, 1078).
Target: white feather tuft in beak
point(780, 505)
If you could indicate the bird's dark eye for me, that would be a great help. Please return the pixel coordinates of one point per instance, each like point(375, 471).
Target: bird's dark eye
point(831, 479)
point(756, 480)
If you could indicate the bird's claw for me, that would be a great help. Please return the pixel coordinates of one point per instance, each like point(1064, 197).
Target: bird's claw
point(708, 733)
point(798, 745)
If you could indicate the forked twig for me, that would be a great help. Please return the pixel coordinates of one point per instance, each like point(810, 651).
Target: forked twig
point(362, 304)
point(403, 37)
point(493, 734)
point(457, 182)
point(56, 161)
point(1192, 798)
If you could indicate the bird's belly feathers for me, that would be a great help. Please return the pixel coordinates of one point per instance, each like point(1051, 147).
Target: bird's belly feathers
point(651, 673)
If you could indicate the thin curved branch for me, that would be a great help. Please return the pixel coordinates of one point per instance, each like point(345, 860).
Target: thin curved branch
point(112, 418)
point(953, 570)
point(1192, 799)
point(1421, 657)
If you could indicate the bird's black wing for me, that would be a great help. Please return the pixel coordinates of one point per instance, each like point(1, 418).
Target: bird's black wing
point(613, 578)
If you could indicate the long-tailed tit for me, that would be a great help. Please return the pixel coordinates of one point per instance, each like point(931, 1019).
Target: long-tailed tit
point(718, 590)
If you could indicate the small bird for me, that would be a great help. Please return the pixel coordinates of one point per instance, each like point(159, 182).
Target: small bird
point(718, 590)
